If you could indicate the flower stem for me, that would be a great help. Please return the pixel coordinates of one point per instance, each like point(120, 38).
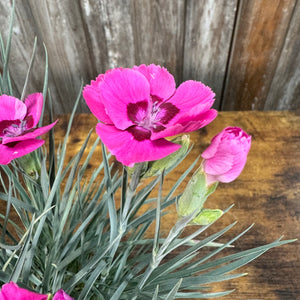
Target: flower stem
point(135, 179)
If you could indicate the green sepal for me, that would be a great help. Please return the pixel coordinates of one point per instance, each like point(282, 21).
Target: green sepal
point(156, 167)
point(30, 164)
point(131, 170)
point(211, 188)
point(207, 216)
point(194, 195)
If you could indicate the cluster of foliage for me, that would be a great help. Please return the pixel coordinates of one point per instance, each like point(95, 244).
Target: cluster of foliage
point(71, 237)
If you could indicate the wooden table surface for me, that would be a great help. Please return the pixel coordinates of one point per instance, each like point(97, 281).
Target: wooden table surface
point(267, 193)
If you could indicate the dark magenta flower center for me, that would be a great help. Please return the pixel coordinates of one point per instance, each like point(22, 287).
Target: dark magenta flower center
point(12, 128)
point(149, 117)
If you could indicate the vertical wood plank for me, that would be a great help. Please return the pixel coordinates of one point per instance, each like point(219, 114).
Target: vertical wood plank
point(21, 48)
point(191, 38)
point(284, 93)
point(95, 35)
point(60, 26)
point(260, 34)
point(208, 33)
point(127, 33)
point(87, 37)
point(158, 34)
point(109, 29)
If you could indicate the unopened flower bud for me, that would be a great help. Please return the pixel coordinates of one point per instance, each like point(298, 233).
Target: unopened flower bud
point(226, 157)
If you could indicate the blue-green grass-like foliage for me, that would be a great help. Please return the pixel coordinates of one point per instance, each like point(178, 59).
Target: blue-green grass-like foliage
point(71, 235)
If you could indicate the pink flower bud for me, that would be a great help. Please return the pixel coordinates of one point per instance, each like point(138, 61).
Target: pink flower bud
point(226, 157)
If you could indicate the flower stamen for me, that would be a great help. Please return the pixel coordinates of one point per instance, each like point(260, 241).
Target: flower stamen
point(15, 129)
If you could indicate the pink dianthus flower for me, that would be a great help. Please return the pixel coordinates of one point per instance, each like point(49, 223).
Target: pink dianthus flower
point(138, 108)
point(11, 291)
point(18, 121)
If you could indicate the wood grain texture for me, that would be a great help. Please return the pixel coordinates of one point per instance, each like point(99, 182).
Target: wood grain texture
point(208, 33)
point(284, 92)
point(21, 47)
point(60, 26)
point(266, 193)
point(159, 34)
point(193, 39)
point(116, 22)
point(259, 37)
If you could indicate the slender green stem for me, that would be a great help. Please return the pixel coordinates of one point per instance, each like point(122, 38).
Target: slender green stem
point(147, 274)
point(155, 261)
point(135, 180)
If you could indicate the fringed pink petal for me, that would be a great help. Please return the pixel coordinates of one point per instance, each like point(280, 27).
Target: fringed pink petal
point(92, 96)
point(128, 150)
point(188, 126)
point(162, 83)
point(34, 104)
point(192, 98)
point(12, 108)
point(14, 150)
point(121, 87)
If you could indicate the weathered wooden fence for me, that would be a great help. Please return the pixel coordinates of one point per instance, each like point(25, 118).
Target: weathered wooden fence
point(248, 51)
